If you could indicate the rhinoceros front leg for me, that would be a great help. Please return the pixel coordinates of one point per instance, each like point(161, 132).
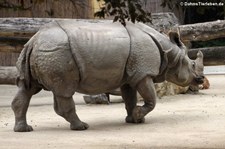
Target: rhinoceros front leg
point(20, 105)
point(65, 107)
point(129, 96)
point(147, 90)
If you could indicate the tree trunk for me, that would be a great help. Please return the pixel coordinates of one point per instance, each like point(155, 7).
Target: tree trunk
point(8, 75)
point(212, 55)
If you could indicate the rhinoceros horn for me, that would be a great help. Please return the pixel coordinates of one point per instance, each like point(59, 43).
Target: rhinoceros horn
point(200, 55)
point(199, 60)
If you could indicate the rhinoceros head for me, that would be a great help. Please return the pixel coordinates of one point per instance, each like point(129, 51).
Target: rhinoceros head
point(185, 71)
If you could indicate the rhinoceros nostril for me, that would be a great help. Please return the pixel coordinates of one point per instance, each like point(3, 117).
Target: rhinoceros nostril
point(199, 79)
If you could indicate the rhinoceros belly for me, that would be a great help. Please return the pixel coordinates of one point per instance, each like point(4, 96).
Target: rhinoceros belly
point(100, 51)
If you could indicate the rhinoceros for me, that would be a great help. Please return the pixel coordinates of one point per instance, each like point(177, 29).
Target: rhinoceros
point(93, 57)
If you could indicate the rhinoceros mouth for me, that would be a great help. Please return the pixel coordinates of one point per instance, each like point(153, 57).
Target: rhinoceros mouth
point(199, 80)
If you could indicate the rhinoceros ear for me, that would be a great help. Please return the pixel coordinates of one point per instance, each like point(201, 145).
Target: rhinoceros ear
point(175, 38)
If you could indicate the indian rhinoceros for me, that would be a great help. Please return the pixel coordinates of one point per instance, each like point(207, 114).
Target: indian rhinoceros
point(93, 57)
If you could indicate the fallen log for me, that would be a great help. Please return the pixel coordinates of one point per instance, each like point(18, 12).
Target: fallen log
point(21, 27)
point(15, 32)
point(12, 44)
point(202, 31)
point(8, 75)
point(212, 55)
point(26, 27)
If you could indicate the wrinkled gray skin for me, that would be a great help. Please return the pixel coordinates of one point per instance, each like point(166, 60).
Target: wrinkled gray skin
point(96, 57)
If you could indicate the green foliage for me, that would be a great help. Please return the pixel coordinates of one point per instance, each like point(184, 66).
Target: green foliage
point(124, 9)
point(171, 4)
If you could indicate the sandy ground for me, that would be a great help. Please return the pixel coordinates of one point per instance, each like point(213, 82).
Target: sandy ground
point(181, 121)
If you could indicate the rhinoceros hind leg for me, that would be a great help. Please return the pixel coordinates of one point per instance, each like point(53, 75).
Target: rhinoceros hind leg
point(147, 90)
point(65, 107)
point(129, 95)
point(20, 105)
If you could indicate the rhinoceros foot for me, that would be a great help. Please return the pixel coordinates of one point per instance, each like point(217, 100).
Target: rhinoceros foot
point(22, 127)
point(79, 126)
point(137, 116)
point(130, 119)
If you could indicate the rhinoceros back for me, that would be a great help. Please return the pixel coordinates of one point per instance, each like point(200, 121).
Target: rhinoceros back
point(101, 51)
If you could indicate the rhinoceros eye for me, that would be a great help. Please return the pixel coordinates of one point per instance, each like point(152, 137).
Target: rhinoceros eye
point(193, 64)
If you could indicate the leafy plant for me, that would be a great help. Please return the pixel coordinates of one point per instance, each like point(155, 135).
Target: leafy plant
point(124, 9)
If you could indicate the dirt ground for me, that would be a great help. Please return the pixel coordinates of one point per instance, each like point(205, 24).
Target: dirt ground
point(181, 121)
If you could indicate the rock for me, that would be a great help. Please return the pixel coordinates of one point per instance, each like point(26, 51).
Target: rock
point(205, 84)
point(96, 99)
point(167, 88)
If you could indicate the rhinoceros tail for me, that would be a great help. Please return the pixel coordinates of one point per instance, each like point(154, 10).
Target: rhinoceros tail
point(23, 64)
